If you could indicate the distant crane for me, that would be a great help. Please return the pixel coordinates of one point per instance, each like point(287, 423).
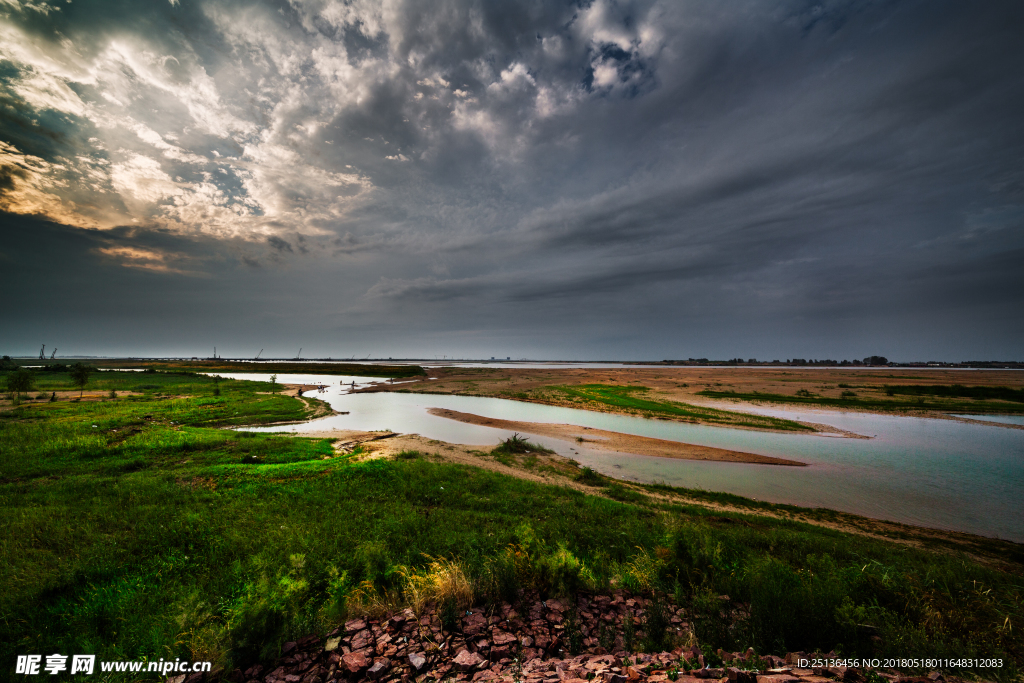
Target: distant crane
point(258, 355)
point(54, 353)
point(41, 352)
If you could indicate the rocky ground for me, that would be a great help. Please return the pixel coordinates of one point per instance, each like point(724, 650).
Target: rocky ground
point(534, 645)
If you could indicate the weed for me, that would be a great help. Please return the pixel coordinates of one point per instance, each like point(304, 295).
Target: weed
point(591, 477)
point(572, 633)
point(656, 621)
point(605, 637)
point(443, 581)
point(623, 493)
point(628, 631)
point(517, 444)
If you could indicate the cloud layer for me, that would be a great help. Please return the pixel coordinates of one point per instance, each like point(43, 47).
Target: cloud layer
point(645, 179)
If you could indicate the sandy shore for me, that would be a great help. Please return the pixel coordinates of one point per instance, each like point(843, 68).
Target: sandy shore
point(617, 441)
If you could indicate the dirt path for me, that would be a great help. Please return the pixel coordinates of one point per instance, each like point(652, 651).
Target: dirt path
point(616, 441)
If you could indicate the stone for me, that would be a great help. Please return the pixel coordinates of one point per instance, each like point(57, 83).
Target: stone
point(417, 661)
point(502, 638)
point(777, 678)
point(741, 676)
point(467, 661)
point(354, 662)
point(474, 623)
point(355, 625)
point(485, 675)
point(332, 644)
point(379, 668)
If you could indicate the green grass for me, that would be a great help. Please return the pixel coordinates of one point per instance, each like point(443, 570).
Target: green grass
point(805, 397)
point(957, 391)
point(635, 399)
point(153, 534)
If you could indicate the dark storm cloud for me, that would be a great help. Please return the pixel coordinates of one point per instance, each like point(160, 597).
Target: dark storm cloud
point(792, 168)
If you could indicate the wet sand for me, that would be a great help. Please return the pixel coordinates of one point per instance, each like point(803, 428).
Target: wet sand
point(616, 441)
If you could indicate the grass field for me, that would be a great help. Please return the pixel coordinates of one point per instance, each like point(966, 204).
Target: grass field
point(937, 399)
point(135, 528)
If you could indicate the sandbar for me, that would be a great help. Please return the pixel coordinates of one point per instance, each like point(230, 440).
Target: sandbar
point(601, 439)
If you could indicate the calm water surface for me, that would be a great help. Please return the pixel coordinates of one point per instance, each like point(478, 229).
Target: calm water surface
point(1008, 419)
point(929, 472)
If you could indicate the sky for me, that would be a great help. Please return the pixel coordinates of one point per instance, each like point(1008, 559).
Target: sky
point(547, 180)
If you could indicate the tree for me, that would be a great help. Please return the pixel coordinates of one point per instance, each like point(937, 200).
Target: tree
point(80, 376)
point(20, 381)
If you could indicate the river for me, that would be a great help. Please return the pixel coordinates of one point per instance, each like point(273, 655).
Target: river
point(929, 472)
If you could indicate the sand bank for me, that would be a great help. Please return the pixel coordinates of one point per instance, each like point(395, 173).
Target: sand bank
point(616, 441)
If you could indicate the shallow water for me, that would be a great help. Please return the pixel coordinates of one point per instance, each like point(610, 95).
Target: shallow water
point(929, 472)
point(1008, 419)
